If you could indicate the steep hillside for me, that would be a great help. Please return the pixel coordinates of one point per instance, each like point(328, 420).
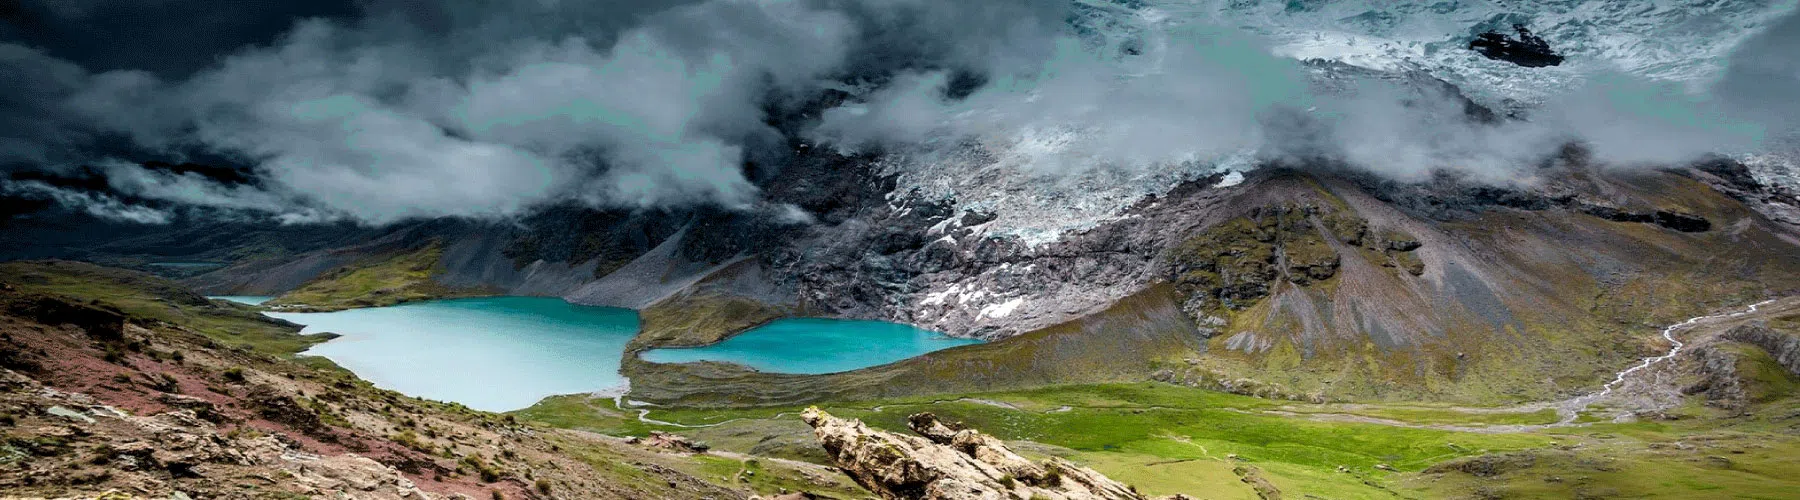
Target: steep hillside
point(1124, 342)
point(114, 380)
point(1316, 286)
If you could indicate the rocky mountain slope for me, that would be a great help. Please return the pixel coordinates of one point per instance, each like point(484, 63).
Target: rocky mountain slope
point(1325, 286)
point(121, 383)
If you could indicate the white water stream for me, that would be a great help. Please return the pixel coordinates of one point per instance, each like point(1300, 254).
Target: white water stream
point(1580, 403)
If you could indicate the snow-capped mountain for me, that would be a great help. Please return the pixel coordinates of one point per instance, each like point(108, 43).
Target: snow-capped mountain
point(1681, 44)
point(1683, 41)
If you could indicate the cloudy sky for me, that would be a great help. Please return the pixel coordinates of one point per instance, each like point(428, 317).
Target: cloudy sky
point(382, 110)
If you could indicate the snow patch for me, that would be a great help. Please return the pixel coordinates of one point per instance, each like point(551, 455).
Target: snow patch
point(1232, 178)
point(938, 298)
point(1002, 309)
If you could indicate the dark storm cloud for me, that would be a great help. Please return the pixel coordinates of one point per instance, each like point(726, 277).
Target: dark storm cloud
point(490, 108)
point(30, 108)
point(171, 38)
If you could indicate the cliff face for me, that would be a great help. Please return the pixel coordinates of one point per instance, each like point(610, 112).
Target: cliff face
point(1744, 365)
point(1784, 347)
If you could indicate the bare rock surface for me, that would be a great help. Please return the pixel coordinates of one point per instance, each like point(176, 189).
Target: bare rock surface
point(949, 462)
point(87, 443)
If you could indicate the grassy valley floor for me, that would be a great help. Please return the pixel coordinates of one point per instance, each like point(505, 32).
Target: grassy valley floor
point(1167, 439)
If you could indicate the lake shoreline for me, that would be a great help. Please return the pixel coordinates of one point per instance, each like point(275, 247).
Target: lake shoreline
point(419, 348)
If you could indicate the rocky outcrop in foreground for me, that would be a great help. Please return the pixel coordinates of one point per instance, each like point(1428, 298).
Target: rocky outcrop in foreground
point(63, 441)
point(952, 463)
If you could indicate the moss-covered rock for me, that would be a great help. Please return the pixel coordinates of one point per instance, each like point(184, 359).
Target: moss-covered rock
point(1231, 265)
point(1409, 262)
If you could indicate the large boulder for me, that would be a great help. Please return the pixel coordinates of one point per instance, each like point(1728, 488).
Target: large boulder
point(952, 463)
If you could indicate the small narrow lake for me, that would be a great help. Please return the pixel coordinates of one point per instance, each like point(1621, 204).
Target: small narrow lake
point(494, 354)
point(814, 346)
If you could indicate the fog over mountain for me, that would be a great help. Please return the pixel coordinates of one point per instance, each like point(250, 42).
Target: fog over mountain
point(390, 109)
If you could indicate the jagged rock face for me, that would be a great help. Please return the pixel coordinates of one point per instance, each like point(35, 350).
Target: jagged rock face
point(1784, 348)
point(73, 440)
point(1232, 265)
point(952, 463)
point(1721, 378)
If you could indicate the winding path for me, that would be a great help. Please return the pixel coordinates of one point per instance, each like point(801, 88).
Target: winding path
point(643, 412)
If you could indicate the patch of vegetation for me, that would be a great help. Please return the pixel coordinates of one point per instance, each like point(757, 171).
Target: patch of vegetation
point(1438, 416)
point(1166, 439)
point(381, 281)
point(697, 319)
point(481, 468)
point(147, 298)
point(1688, 458)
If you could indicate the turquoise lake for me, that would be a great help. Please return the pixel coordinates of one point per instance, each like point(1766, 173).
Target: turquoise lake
point(494, 354)
point(814, 346)
point(506, 353)
point(255, 300)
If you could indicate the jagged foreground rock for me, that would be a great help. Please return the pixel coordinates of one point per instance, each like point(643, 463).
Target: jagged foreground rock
point(951, 463)
point(143, 454)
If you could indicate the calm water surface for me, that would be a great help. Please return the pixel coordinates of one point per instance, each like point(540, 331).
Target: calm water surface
point(495, 354)
point(812, 346)
point(506, 353)
point(255, 300)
